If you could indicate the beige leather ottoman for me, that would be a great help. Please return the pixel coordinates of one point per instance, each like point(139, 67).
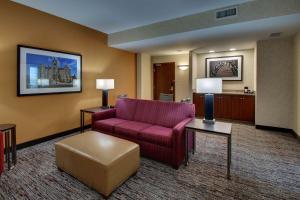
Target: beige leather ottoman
point(101, 161)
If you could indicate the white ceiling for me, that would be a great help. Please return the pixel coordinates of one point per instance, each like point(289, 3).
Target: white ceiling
point(221, 38)
point(111, 16)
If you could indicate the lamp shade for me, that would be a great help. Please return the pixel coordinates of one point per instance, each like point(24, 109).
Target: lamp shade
point(209, 85)
point(105, 84)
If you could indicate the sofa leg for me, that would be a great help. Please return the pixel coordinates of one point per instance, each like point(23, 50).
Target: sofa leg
point(175, 167)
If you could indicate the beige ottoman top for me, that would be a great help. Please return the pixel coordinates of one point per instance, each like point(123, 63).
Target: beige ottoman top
point(102, 148)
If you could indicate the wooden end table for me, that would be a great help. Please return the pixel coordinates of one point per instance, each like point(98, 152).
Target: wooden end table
point(9, 131)
point(91, 111)
point(218, 128)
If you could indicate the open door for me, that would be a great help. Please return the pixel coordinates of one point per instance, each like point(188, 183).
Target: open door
point(163, 79)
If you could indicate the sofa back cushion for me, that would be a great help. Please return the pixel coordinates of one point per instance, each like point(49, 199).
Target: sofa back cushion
point(125, 108)
point(146, 111)
point(166, 114)
point(170, 113)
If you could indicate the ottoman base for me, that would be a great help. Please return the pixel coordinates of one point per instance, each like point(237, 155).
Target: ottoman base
point(102, 162)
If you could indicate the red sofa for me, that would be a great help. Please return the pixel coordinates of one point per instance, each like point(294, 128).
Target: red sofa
point(1, 153)
point(158, 127)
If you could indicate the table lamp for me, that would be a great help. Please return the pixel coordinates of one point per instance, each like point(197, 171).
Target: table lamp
point(105, 85)
point(209, 87)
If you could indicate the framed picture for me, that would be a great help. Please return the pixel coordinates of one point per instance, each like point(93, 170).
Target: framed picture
point(229, 68)
point(44, 71)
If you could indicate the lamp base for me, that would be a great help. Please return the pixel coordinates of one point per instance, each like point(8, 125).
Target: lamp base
point(209, 121)
point(104, 99)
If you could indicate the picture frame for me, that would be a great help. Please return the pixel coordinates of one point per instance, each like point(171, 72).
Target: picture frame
point(229, 68)
point(43, 71)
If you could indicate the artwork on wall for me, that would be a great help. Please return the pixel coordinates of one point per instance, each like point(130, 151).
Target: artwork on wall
point(44, 71)
point(229, 68)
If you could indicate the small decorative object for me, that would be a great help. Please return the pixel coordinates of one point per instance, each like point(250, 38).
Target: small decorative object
point(44, 71)
point(183, 67)
point(122, 96)
point(209, 87)
point(105, 85)
point(228, 68)
point(246, 89)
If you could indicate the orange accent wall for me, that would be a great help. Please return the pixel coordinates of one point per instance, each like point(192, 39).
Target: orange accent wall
point(40, 116)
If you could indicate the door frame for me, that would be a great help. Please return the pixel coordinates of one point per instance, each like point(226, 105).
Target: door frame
point(154, 78)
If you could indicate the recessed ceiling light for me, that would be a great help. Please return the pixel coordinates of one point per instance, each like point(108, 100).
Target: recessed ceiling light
point(211, 51)
point(232, 49)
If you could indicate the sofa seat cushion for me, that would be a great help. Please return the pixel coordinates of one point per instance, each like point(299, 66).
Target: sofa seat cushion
point(130, 129)
point(158, 135)
point(108, 124)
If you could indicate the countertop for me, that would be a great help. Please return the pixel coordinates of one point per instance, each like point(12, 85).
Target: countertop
point(236, 92)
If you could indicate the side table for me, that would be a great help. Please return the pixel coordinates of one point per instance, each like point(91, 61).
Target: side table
point(9, 131)
point(88, 110)
point(218, 128)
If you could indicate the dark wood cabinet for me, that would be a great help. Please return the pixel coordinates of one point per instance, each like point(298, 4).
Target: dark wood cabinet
point(248, 111)
point(198, 100)
point(228, 106)
point(237, 107)
point(222, 106)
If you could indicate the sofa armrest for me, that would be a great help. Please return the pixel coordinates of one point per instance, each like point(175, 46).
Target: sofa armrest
point(179, 128)
point(105, 114)
point(179, 142)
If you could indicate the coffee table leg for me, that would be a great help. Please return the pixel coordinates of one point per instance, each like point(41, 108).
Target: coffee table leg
point(228, 155)
point(194, 141)
point(14, 146)
point(81, 121)
point(186, 147)
point(7, 149)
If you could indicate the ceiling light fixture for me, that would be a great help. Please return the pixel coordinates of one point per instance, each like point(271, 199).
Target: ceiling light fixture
point(232, 49)
point(211, 51)
point(183, 67)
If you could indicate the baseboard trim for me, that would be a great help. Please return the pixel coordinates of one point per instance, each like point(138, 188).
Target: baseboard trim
point(284, 130)
point(272, 128)
point(295, 135)
point(50, 137)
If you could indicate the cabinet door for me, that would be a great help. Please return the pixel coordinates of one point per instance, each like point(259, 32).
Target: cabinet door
point(226, 104)
point(218, 106)
point(236, 107)
point(198, 100)
point(248, 109)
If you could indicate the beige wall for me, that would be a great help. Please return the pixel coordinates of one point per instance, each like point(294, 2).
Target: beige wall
point(248, 69)
point(296, 72)
point(274, 82)
point(144, 76)
point(39, 116)
point(182, 89)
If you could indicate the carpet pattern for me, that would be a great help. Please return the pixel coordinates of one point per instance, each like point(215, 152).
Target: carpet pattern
point(265, 165)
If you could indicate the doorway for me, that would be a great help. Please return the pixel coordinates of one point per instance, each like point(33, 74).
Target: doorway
point(163, 79)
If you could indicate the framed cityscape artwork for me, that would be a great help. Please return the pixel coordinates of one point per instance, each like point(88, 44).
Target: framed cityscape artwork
point(229, 68)
point(44, 71)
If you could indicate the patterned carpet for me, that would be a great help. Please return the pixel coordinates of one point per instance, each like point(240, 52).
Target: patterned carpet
point(265, 165)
